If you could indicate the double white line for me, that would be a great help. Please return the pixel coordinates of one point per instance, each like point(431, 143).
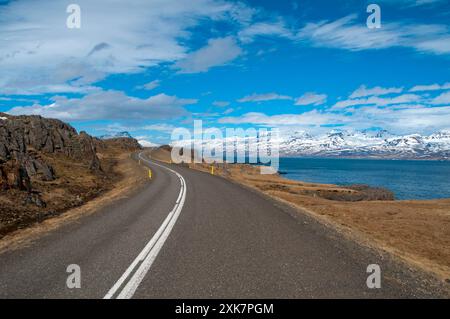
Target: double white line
point(147, 256)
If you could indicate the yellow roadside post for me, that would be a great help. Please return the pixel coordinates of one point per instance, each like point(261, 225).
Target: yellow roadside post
point(212, 169)
point(150, 173)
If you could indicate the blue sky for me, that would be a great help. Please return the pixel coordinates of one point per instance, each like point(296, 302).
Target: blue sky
point(149, 66)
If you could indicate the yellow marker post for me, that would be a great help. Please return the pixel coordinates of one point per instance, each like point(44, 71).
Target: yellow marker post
point(212, 170)
point(150, 173)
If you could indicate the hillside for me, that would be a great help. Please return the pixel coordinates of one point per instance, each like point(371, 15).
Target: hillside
point(47, 167)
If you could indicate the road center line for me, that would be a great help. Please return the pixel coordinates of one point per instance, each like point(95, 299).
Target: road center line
point(147, 256)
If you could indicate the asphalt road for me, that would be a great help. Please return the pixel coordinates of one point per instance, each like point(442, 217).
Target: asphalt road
point(189, 234)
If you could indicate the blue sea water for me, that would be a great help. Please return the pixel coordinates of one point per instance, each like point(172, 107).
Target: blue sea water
point(407, 179)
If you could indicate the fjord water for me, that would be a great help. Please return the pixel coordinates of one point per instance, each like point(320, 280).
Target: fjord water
point(407, 179)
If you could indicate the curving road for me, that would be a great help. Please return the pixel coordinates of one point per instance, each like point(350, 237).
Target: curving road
point(188, 234)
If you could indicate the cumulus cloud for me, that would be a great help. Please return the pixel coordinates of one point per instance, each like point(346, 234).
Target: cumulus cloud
point(311, 98)
point(109, 105)
point(399, 113)
point(363, 91)
point(37, 49)
point(263, 97)
point(216, 53)
point(311, 118)
point(444, 98)
point(430, 87)
point(404, 120)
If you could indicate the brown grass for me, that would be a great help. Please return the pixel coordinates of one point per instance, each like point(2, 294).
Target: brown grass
point(129, 176)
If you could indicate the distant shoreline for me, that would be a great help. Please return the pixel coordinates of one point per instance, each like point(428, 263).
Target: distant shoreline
point(407, 179)
point(370, 158)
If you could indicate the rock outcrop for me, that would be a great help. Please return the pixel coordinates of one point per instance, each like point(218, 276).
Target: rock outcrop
point(25, 140)
point(47, 167)
point(122, 143)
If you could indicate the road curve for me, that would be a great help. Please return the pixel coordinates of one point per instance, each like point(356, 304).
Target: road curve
point(188, 234)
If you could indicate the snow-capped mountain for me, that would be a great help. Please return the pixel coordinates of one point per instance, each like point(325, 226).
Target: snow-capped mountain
point(116, 135)
point(358, 144)
point(380, 144)
point(141, 140)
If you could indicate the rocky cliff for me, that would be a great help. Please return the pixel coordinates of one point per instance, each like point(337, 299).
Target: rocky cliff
point(47, 167)
point(23, 139)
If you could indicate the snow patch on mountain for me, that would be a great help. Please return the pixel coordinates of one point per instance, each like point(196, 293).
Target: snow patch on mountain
point(116, 135)
point(357, 144)
point(368, 144)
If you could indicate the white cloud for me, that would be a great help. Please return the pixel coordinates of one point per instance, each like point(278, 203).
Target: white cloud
point(37, 49)
point(400, 113)
point(161, 127)
point(404, 120)
point(109, 105)
point(228, 111)
point(413, 3)
point(311, 98)
point(218, 52)
point(151, 85)
point(430, 87)
point(344, 33)
point(363, 91)
point(265, 29)
point(221, 103)
point(442, 99)
point(378, 101)
point(263, 97)
point(347, 33)
point(313, 117)
point(37, 89)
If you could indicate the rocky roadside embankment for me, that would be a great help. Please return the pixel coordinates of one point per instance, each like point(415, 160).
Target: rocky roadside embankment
point(46, 167)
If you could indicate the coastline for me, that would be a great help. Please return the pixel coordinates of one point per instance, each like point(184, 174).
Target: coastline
point(369, 158)
point(407, 179)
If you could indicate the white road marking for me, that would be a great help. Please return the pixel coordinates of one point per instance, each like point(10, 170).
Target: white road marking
point(148, 255)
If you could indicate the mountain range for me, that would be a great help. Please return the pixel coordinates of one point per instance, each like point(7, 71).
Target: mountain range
point(350, 144)
point(347, 144)
point(371, 144)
